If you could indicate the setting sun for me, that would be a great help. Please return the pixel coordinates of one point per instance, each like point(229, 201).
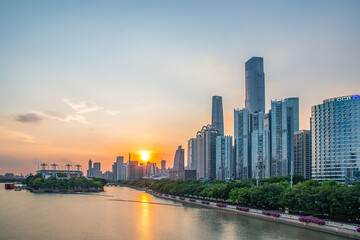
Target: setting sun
point(145, 155)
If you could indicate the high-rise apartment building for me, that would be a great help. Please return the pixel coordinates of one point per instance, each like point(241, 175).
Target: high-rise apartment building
point(241, 135)
point(210, 148)
point(163, 166)
point(191, 154)
point(302, 153)
point(255, 85)
point(224, 158)
point(179, 159)
point(260, 146)
point(89, 171)
point(120, 168)
point(200, 153)
point(335, 137)
point(217, 118)
point(96, 170)
point(282, 136)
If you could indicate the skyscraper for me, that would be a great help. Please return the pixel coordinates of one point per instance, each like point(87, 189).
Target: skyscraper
point(200, 154)
point(217, 118)
point(335, 138)
point(241, 135)
point(120, 168)
point(89, 172)
point(302, 153)
point(191, 154)
point(224, 158)
point(179, 159)
point(210, 147)
point(260, 148)
point(282, 136)
point(255, 85)
point(163, 166)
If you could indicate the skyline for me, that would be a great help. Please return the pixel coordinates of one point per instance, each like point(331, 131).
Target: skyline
point(95, 81)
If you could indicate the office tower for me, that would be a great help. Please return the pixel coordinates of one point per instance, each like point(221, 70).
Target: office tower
point(282, 137)
point(132, 171)
point(260, 149)
point(302, 153)
point(191, 154)
point(217, 118)
point(210, 147)
point(200, 154)
point(89, 172)
point(335, 137)
point(255, 85)
point(224, 158)
point(114, 171)
point(241, 145)
point(163, 166)
point(294, 104)
point(179, 159)
point(120, 168)
point(96, 171)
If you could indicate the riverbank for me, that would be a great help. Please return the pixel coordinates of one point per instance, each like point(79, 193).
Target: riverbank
point(332, 227)
point(49, 190)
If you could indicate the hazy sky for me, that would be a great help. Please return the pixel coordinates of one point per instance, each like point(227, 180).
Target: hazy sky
point(84, 80)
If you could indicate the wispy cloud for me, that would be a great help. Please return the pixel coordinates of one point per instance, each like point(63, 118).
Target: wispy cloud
point(81, 107)
point(28, 118)
point(63, 117)
point(12, 135)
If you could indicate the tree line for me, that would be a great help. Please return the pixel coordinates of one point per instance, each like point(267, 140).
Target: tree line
point(38, 182)
point(308, 197)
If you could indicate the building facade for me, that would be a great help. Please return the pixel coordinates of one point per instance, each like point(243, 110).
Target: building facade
point(302, 153)
point(179, 159)
point(217, 118)
point(255, 85)
point(201, 154)
point(191, 154)
point(260, 146)
point(241, 143)
point(282, 136)
point(224, 158)
point(335, 137)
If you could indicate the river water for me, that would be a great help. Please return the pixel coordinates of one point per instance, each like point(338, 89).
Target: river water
point(123, 213)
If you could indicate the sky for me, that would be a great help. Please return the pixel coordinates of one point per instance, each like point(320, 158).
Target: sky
point(84, 80)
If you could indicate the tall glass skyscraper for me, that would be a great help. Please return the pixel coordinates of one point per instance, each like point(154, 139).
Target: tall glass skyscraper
point(282, 136)
point(335, 136)
point(255, 85)
point(217, 118)
point(191, 154)
point(179, 159)
point(302, 153)
point(260, 148)
point(241, 135)
point(224, 158)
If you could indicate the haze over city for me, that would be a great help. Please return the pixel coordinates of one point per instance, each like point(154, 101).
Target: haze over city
point(91, 80)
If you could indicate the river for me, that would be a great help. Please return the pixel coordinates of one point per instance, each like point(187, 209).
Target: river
point(123, 213)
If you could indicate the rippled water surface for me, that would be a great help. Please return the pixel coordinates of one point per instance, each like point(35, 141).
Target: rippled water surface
point(122, 213)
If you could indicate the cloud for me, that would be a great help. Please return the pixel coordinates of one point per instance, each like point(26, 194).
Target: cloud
point(12, 135)
point(81, 107)
point(28, 118)
point(63, 117)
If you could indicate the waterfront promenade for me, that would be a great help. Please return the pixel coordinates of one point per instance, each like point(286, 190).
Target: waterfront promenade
point(337, 228)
